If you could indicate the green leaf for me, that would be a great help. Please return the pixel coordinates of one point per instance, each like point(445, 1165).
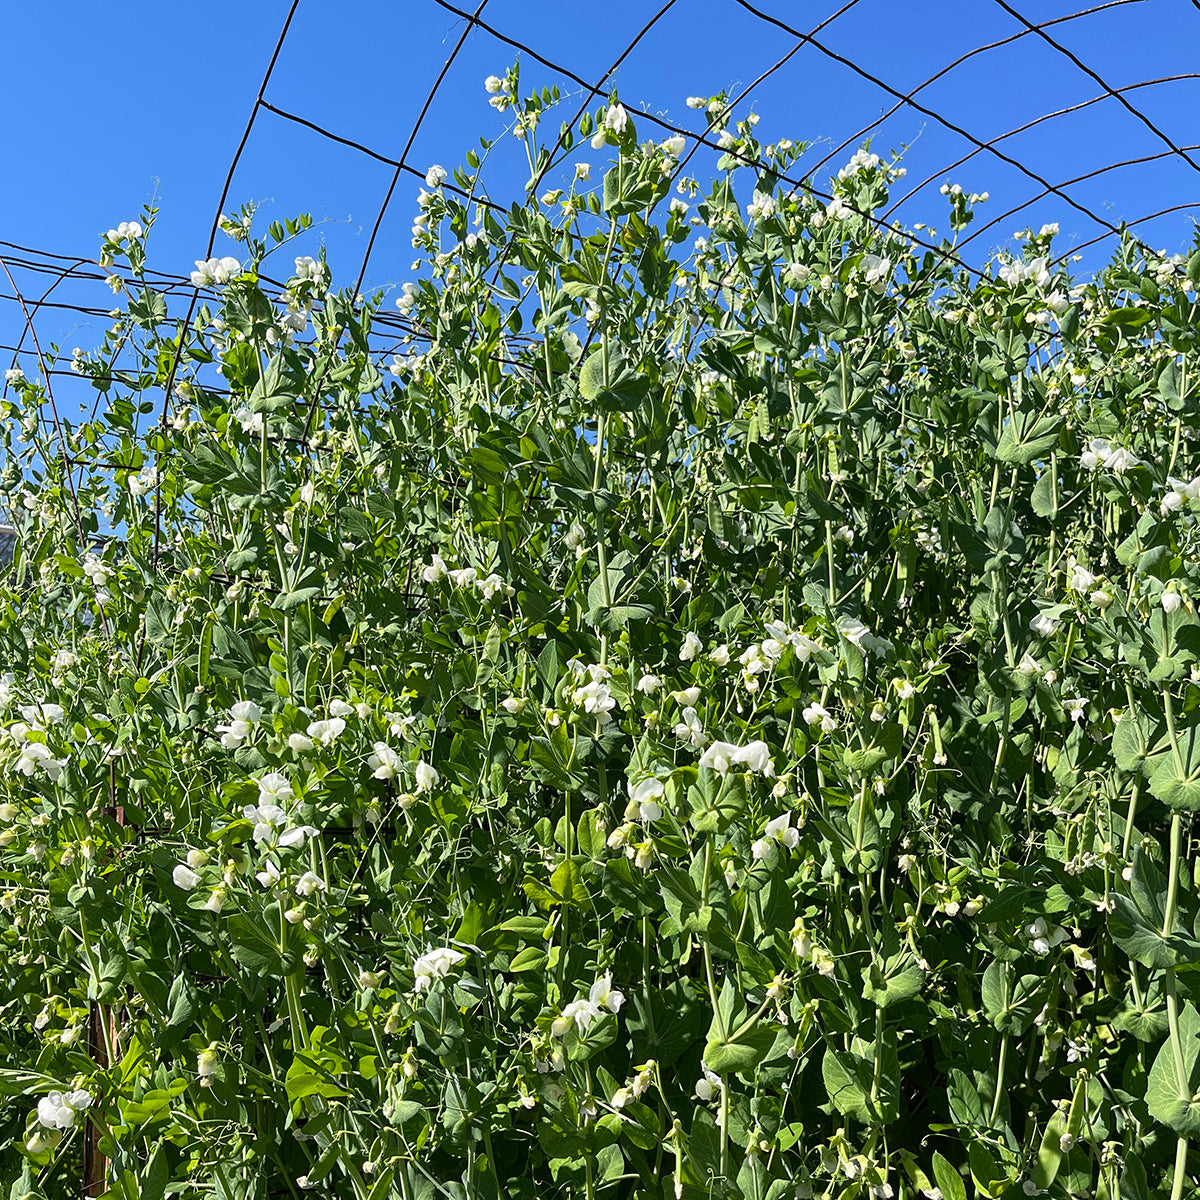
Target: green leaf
point(1010, 1003)
point(1027, 437)
point(253, 947)
point(1175, 1078)
point(1136, 920)
point(1176, 781)
point(849, 1077)
point(898, 978)
point(315, 1073)
point(739, 1055)
point(715, 802)
point(624, 390)
point(889, 743)
point(948, 1179)
point(1045, 497)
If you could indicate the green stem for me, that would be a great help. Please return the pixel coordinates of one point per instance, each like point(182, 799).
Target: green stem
point(1001, 1067)
point(1181, 1073)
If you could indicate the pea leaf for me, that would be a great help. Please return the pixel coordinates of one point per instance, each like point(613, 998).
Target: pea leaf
point(1175, 1078)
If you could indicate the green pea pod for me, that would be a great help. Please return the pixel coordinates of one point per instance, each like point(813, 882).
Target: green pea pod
point(1050, 1152)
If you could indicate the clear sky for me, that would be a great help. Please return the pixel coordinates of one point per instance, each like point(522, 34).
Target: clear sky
point(106, 109)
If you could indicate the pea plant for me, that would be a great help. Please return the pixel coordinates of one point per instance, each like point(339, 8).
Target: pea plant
point(701, 704)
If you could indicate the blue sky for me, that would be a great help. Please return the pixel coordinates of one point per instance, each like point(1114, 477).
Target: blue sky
point(107, 111)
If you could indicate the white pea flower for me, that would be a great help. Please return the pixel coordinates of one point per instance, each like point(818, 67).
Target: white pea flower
point(1028, 666)
point(493, 84)
point(326, 732)
point(690, 729)
point(490, 586)
point(673, 147)
point(385, 762)
point(427, 777)
point(243, 717)
point(616, 119)
point(604, 995)
point(649, 684)
point(60, 1110)
point(215, 271)
point(720, 656)
point(1044, 625)
point(34, 757)
point(755, 757)
point(709, 1085)
point(1170, 602)
point(269, 875)
point(719, 757)
point(596, 700)
point(308, 883)
point(184, 877)
point(436, 176)
point(300, 744)
point(583, 171)
point(274, 788)
point(1081, 578)
point(580, 1012)
point(817, 714)
point(436, 964)
point(339, 708)
point(692, 646)
point(688, 697)
point(1101, 453)
point(643, 800)
point(1043, 936)
point(436, 571)
point(857, 633)
point(778, 830)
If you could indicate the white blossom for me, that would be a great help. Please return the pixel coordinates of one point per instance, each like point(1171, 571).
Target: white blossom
point(308, 883)
point(1044, 625)
point(817, 714)
point(719, 757)
point(59, 1110)
point(384, 762)
point(604, 995)
point(184, 877)
point(690, 729)
point(215, 271)
point(435, 964)
point(778, 830)
point(616, 119)
point(326, 732)
point(709, 1085)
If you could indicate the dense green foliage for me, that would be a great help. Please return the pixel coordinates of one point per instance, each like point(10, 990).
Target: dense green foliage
point(713, 720)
